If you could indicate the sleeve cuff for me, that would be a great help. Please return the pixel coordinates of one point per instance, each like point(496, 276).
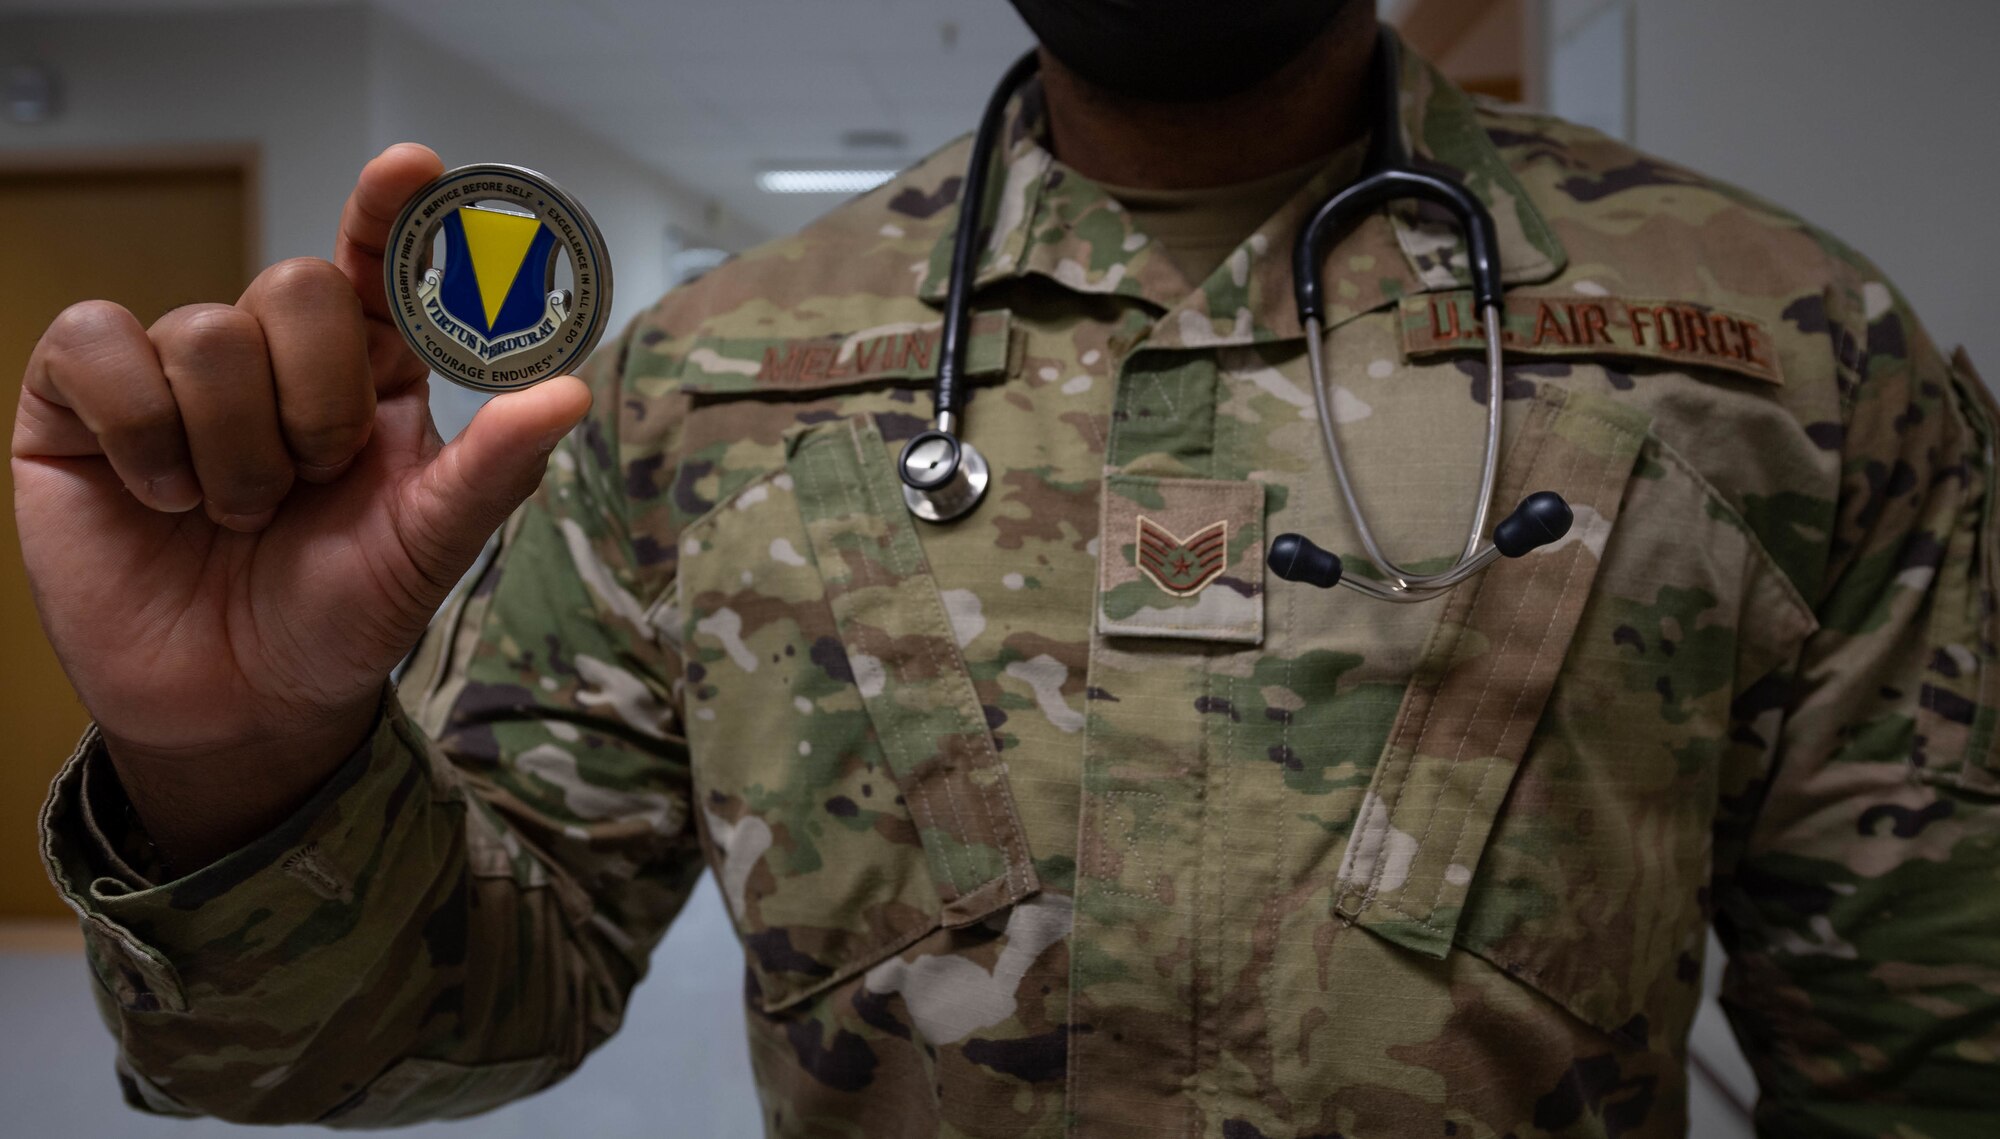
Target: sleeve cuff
point(149, 939)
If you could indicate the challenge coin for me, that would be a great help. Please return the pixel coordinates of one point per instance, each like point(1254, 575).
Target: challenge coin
point(491, 316)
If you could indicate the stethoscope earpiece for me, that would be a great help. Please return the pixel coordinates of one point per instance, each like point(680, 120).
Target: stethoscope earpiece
point(1295, 557)
point(1543, 517)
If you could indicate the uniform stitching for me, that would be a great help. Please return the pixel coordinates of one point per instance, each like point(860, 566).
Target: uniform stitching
point(893, 741)
point(1486, 777)
point(1222, 893)
point(822, 462)
point(1610, 476)
point(707, 517)
point(1278, 882)
point(1209, 1001)
point(1160, 385)
point(1398, 770)
point(962, 882)
point(1132, 848)
point(852, 962)
point(955, 676)
point(1237, 634)
point(1416, 737)
point(1196, 980)
point(1546, 413)
point(1004, 825)
point(1390, 769)
point(1497, 661)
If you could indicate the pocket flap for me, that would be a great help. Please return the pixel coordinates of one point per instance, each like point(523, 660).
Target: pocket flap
point(1481, 684)
point(907, 665)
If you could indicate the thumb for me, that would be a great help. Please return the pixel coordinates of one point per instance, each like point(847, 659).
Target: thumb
point(471, 485)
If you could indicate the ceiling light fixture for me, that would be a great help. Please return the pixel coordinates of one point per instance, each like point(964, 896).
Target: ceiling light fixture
point(821, 181)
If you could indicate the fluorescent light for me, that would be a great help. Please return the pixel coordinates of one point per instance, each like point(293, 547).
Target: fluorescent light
point(822, 181)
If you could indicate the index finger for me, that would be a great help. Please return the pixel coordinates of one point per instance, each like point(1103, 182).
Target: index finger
point(386, 185)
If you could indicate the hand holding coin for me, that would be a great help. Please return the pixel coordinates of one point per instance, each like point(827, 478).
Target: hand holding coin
point(234, 654)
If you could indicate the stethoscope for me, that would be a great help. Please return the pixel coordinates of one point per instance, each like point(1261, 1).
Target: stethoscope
point(944, 477)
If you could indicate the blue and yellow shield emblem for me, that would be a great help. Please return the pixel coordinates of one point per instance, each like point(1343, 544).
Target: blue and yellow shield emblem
point(495, 293)
point(481, 307)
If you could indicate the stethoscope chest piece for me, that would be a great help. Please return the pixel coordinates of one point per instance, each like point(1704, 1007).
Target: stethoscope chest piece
point(943, 476)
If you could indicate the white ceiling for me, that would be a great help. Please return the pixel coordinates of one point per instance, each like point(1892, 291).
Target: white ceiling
point(711, 91)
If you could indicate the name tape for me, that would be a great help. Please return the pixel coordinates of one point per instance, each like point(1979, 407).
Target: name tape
point(1675, 332)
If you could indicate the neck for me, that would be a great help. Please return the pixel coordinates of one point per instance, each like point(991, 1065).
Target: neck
point(1312, 106)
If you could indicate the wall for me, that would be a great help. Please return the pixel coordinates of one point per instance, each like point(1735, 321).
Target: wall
point(1586, 53)
point(288, 82)
point(317, 91)
point(1873, 120)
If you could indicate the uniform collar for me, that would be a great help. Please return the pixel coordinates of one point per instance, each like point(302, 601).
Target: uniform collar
point(1051, 222)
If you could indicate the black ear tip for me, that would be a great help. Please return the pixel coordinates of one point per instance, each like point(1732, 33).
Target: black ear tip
point(1549, 512)
point(1294, 557)
point(1285, 554)
point(1543, 517)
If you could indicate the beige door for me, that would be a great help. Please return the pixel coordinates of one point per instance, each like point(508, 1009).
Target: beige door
point(151, 240)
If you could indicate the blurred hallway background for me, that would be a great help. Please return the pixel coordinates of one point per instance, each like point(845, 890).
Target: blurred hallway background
point(675, 122)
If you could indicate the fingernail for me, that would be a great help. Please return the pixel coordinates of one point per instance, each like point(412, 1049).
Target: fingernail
point(313, 472)
point(248, 523)
point(177, 492)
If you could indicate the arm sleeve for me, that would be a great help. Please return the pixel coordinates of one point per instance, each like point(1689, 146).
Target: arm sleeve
point(1864, 919)
point(458, 916)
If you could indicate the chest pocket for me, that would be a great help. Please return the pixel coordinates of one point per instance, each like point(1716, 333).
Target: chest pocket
point(1481, 684)
point(850, 787)
point(1548, 791)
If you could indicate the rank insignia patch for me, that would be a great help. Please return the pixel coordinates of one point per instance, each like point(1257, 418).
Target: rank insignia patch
point(1182, 566)
point(1181, 559)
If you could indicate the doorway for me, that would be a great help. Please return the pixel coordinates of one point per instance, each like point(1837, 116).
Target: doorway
point(151, 233)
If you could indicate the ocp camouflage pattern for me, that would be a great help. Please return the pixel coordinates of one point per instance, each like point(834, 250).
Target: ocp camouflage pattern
point(1021, 842)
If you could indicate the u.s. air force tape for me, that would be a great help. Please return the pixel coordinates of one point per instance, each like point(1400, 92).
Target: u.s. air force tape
point(491, 316)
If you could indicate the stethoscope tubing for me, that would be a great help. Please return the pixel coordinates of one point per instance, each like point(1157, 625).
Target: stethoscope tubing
point(949, 394)
point(1406, 584)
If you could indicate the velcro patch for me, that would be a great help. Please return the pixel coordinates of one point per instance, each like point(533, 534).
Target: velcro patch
point(1572, 324)
point(1181, 558)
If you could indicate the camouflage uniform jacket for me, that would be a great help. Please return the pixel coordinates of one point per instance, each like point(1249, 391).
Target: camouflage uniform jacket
point(1068, 818)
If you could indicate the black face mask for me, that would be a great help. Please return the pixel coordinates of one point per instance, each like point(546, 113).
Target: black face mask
point(1177, 51)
